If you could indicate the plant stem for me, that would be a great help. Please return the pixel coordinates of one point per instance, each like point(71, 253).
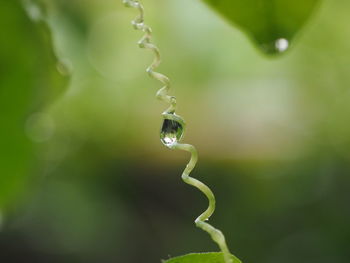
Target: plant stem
point(145, 42)
point(162, 94)
point(215, 234)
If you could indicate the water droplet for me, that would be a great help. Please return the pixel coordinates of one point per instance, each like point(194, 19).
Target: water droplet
point(275, 47)
point(281, 44)
point(172, 129)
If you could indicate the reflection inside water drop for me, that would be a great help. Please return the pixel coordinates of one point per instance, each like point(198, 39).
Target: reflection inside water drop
point(172, 130)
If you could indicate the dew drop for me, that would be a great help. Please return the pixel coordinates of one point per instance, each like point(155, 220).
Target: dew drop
point(172, 130)
point(276, 46)
point(281, 44)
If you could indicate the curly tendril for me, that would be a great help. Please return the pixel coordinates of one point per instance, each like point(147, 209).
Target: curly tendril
point(172, 130)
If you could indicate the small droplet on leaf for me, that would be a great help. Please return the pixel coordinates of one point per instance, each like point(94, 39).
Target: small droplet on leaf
point(282, 44)
point(275, 47)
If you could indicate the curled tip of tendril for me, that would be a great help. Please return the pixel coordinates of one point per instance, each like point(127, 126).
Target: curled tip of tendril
point(174, 126)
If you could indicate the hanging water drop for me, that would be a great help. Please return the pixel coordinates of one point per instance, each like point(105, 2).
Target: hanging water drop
point(281, 44)
point(276, 47)
point(172, 129)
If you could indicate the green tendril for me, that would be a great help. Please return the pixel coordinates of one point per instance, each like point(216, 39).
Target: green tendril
point(169, 114)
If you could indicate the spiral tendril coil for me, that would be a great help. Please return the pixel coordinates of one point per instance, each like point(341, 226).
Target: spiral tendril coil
point(162, 94)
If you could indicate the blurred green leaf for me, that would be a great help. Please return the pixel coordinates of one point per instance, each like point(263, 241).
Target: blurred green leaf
point(267, 21)
point(29, 81)
point(201, 258)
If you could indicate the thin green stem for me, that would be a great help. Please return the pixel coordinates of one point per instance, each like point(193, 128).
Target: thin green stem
point(200, 222)
point(145, 42)
point(162, 94)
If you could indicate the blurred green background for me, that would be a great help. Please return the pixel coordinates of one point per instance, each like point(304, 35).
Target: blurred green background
point(84, 177)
